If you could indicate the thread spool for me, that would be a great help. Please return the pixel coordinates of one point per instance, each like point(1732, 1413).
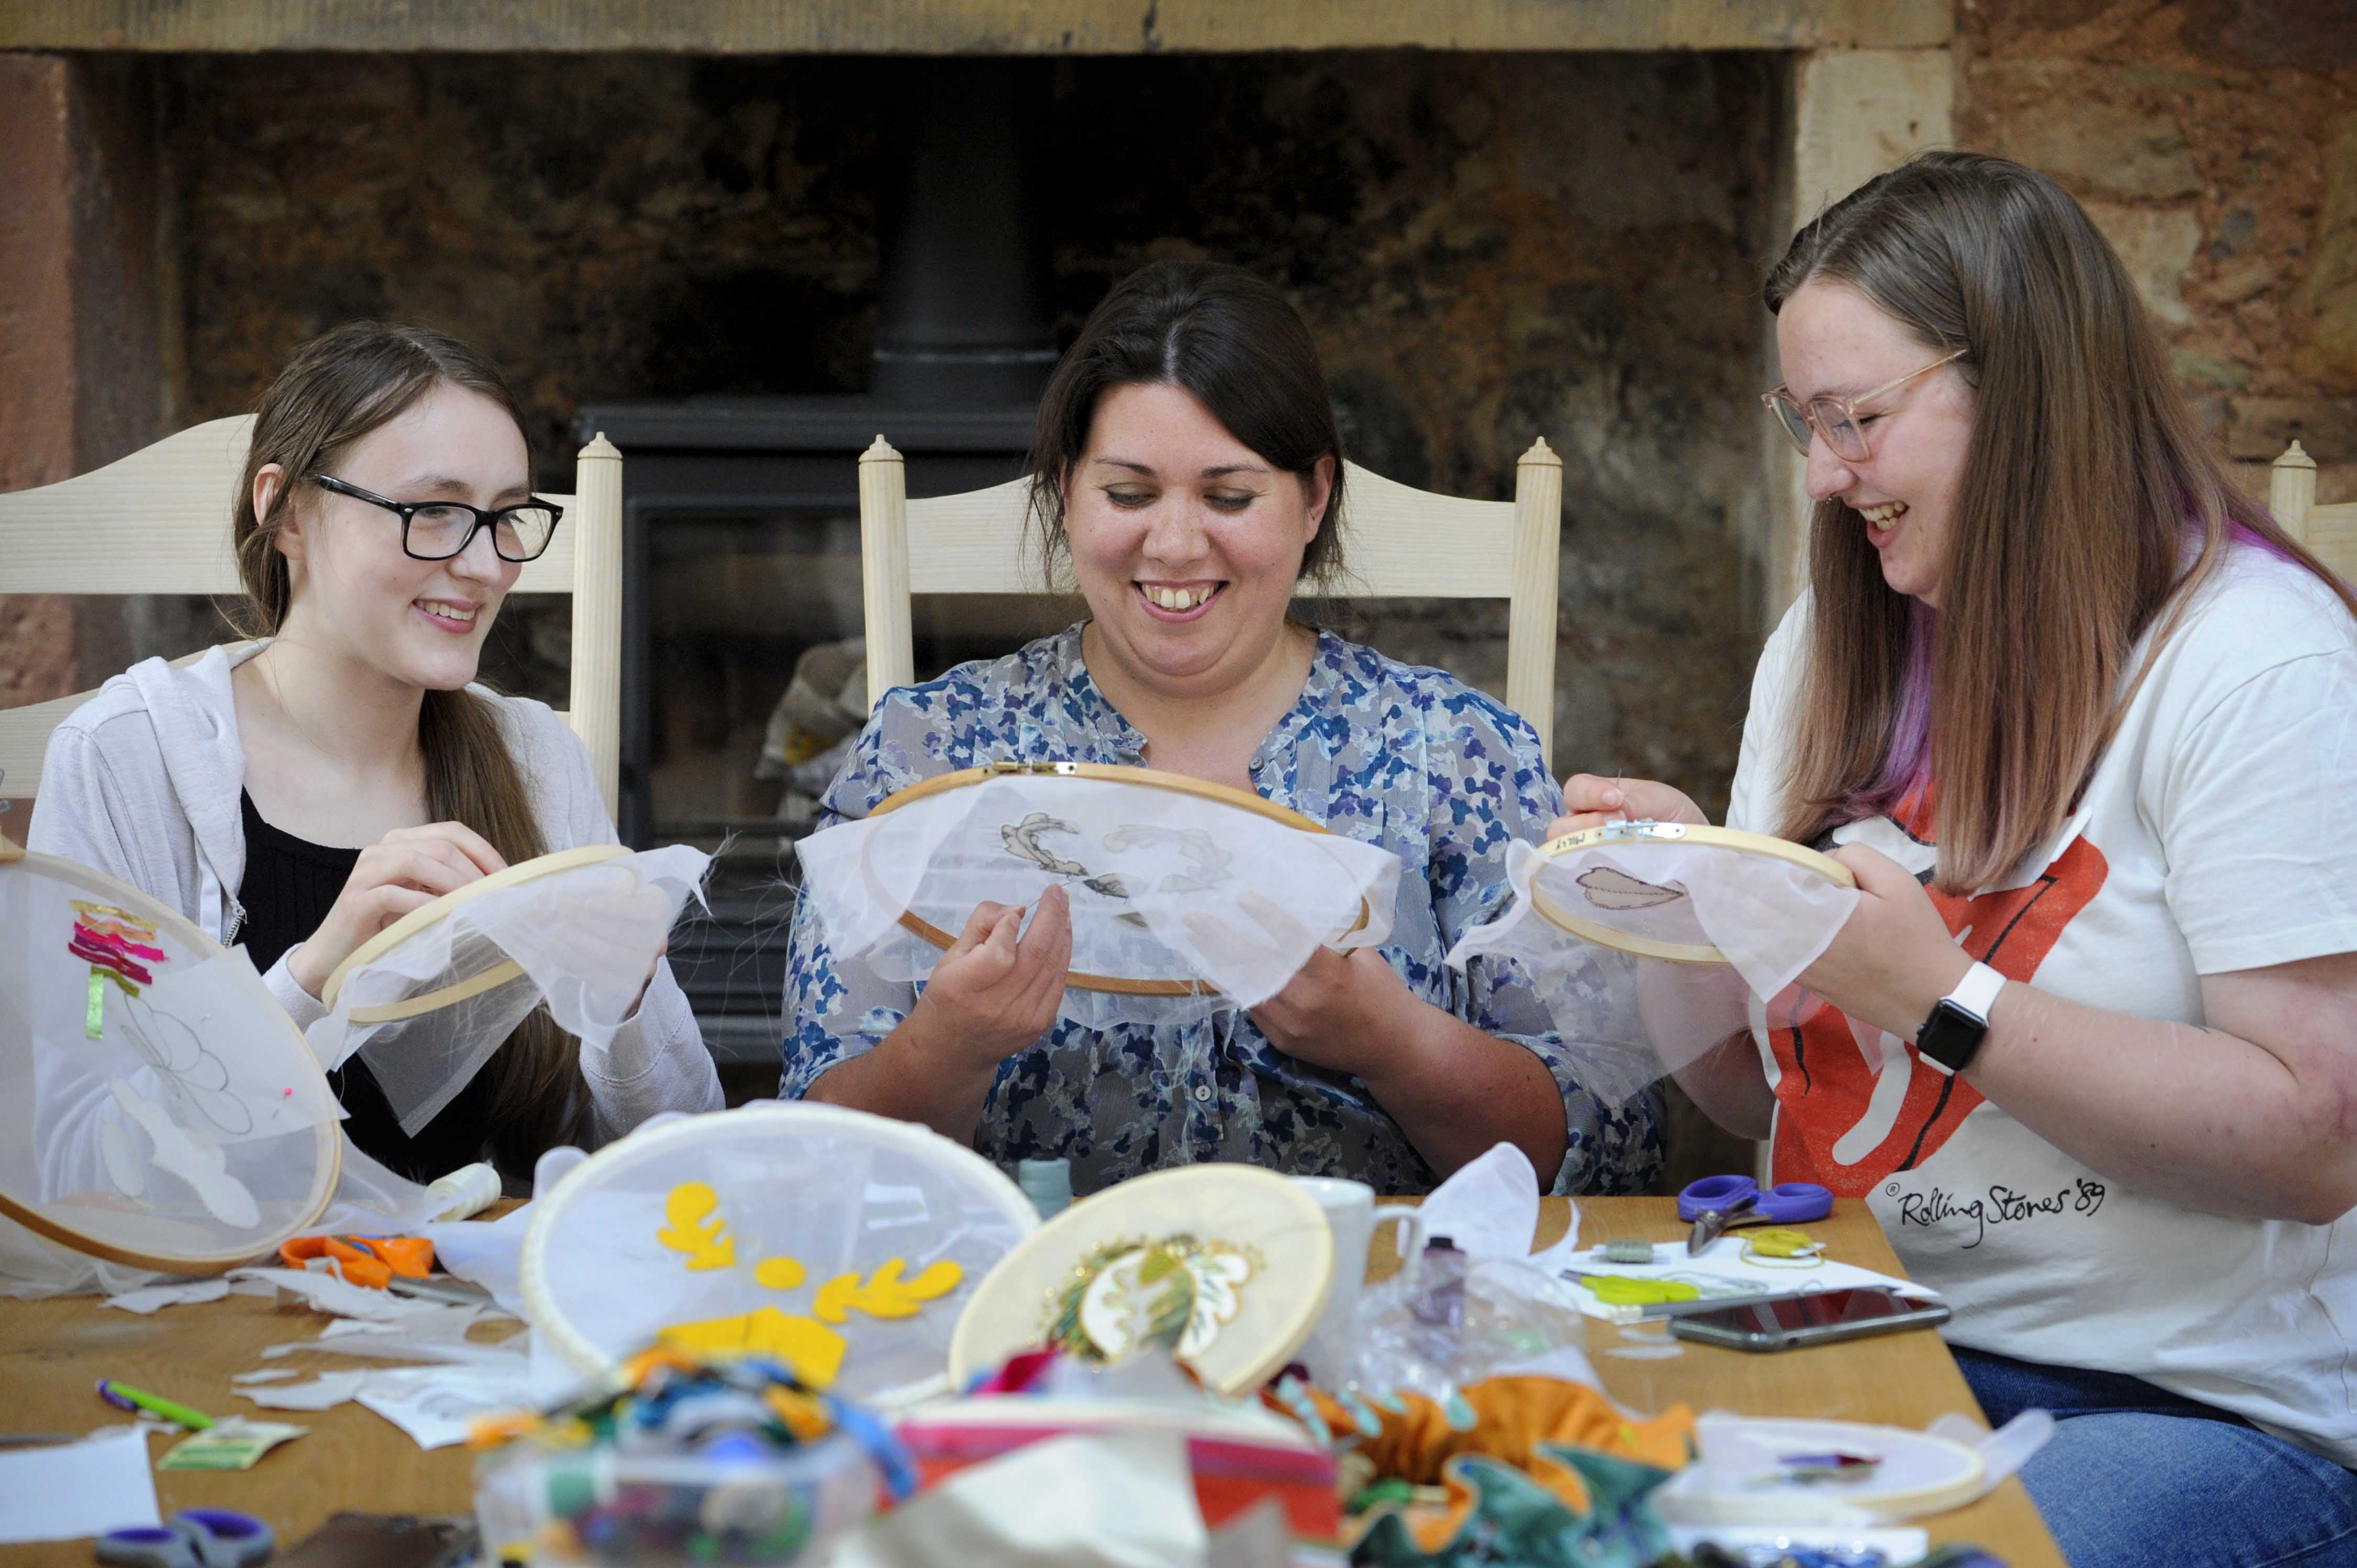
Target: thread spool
point(466, 1192)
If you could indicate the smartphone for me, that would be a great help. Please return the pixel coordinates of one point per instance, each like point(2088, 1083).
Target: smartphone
point(1817, 1318)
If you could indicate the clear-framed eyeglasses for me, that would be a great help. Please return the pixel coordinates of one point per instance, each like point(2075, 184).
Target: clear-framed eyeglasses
point(437, 531)
point(1837, 418)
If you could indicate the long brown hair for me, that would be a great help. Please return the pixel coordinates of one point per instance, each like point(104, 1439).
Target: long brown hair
point(335, 390)
point(2084, 480)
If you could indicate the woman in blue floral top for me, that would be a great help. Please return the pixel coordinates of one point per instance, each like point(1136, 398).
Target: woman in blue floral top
point(1187, 460)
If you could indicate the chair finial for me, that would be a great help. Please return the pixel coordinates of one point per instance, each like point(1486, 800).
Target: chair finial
point(600, 448)
point(1540, 453)
point(2295, 457)
point(882, 452)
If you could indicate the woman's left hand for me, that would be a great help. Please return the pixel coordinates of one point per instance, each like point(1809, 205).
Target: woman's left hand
point(1339, 1012)
point(1894, 958)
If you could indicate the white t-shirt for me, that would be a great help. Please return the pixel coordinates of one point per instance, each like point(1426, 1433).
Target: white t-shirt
point(2217, 835)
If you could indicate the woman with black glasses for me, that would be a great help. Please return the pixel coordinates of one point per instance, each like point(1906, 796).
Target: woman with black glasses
point(300, 792)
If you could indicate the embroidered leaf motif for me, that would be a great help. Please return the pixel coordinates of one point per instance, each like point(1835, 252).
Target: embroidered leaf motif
point(886, 1294)
point(1023, 841)
point(700, 1239)
point(778, 1273)
point(1610, 889)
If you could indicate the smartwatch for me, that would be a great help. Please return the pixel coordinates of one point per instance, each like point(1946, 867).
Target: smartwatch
point(1951, 1036)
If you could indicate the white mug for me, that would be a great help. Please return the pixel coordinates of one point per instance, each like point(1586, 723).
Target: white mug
point(1351, 1213)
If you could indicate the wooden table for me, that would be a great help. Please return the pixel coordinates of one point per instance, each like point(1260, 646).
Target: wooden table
point(53, 1352)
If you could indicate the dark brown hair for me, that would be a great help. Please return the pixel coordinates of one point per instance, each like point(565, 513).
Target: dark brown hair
point(1221, 334)
point(2085, 481)
point(335, 388)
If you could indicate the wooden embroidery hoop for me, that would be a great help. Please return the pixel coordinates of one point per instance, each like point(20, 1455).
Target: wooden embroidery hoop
point(1184, 784)
point(786, 1119)
point(1255, 1210)
point(1644, 832)
point(328, 1137)
point(417, 919)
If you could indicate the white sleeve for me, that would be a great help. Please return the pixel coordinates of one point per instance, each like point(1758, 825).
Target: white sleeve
point(657, 1059)
point(1755, 800)
point(2253, 814)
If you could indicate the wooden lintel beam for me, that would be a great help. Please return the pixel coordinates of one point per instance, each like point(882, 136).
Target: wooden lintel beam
point(970, 26)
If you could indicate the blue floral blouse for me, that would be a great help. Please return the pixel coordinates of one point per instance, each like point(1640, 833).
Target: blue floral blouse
point(1408, 758)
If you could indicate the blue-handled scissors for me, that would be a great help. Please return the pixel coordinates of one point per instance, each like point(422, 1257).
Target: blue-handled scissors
point(1721, 1203)
point(193, 1538)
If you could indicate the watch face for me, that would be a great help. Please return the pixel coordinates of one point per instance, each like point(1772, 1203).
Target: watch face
point(1950, 1035)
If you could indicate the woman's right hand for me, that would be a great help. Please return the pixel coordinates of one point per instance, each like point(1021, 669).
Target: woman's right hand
point(406, 869)
point(997, 990)
point(1589, 801)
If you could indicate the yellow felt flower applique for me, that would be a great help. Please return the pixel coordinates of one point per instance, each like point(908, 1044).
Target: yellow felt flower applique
point(694, 1229)
point(814, 1353)
point(779, 1272)
point(885, 1293)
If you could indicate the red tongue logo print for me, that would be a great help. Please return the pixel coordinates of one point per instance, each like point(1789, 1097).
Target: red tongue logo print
point(1827, 1092)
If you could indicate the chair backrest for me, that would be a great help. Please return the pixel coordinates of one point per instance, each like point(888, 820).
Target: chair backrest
point(1400, 542)
point(158, 523)
point(2330, 531)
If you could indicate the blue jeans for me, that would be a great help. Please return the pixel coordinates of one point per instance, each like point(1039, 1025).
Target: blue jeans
point(2137, 1477)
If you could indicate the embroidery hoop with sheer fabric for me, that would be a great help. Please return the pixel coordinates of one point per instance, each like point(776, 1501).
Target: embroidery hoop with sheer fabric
point(1650, 942)
point(1187, 895)
point(579, 929)
point(1569, 895)
point(785, 1228)
point(163, 1112)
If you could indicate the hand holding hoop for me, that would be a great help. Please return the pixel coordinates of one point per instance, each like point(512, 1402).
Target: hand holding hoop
point(995, 990)
point(405, 870)
point(1589, 801)
point(1893, 958)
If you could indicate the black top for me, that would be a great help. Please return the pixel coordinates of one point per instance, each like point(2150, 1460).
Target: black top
point(289, 886)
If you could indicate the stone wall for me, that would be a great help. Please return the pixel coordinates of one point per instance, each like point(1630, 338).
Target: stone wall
point(1489, 248)
point(2215, 141)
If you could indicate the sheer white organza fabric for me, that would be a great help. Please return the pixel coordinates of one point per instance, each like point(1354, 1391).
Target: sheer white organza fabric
point(584, 940)
point(180, 1118)
point(1639, 1018)
point(793, 1222)
point(1165, 886)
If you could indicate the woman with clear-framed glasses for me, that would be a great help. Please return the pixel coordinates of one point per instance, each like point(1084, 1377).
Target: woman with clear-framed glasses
point(2080, 717)
point(297, 793)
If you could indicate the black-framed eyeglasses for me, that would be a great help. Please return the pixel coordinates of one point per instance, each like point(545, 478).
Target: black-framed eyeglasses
point(437, 531)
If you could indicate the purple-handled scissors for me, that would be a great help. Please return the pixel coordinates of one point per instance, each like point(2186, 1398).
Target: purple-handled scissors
point(1721, 1203)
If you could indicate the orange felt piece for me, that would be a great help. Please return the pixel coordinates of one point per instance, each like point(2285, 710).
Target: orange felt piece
point(370, 1261)
point(1512, 1417)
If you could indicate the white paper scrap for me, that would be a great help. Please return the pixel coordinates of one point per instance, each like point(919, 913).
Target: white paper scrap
point(1110, 1499)
point(1722, 1270)
point(439, 1405)
point(1490, 1209)
point(76, 1489)
point(153, 1297)
point(328, 1293)
point(435, 1405)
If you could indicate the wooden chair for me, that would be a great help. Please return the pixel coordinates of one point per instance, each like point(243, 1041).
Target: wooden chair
point(157, 521)
point(1398, 543)
point(2330, 531)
